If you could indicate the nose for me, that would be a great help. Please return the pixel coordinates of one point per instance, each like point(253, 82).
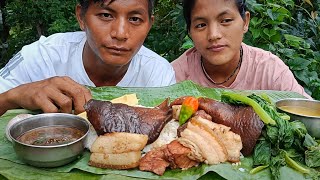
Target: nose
point(214, 32)
point(120, 29)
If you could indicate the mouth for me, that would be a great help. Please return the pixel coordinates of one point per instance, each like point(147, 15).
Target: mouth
point(216, 48)
point(117, 49)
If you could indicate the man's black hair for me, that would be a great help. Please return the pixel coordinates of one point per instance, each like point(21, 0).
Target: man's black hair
point(85, 4)
point(188, 5)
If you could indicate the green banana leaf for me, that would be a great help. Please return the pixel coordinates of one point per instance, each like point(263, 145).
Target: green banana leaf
point(12, 168)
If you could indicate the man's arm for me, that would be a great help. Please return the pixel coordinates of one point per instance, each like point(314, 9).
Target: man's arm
point(50, 95)
point(5, 103)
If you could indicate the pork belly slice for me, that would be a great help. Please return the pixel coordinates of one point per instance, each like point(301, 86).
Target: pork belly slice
point(119, 142)
point(231, 141)
point(201, 140)
point(117, 150)
point(172, 155)
point(211, 148)
point(241, 119)
point(126, 160)
point(107, 117)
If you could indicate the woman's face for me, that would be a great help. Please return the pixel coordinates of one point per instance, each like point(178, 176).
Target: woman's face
point(115, 31)
point(217, 30)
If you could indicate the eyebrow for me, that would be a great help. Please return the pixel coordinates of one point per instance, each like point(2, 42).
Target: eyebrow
point(135, 11)
point(200, 18)
point(139, 11)
point(106, 7)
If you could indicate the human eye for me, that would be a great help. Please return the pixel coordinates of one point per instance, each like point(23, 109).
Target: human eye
point(135, 20)
point(200, 25)
point(226, 20)
point(106, 16)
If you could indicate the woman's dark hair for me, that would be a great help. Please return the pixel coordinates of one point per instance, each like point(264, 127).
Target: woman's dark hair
point(85, 4)
point(188, 5)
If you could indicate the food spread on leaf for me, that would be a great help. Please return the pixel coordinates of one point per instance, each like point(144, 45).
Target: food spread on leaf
point(197, 130)
point(205, 131)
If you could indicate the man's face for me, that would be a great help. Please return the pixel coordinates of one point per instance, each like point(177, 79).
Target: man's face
point(116, 31)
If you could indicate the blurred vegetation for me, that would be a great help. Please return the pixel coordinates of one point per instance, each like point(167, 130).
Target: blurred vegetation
point(288, 28)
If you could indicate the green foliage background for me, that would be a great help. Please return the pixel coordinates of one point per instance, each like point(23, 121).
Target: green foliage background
point(288, 28)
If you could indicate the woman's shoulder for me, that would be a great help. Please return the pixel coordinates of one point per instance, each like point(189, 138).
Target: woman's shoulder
point(257, 55)
point(190, 56)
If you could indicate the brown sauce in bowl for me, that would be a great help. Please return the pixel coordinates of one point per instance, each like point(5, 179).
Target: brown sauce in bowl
point(50, 136)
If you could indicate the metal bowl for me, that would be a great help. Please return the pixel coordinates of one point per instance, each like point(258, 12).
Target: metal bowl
point(53, 155)
point(311, 122)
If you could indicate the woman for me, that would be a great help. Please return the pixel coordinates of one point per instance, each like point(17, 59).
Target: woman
point(220, 59)
point(49, 74)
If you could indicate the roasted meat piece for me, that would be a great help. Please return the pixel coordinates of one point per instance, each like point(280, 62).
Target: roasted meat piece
point(241, 119)
point(174, 155)
point(107, 117)
point(201, 141)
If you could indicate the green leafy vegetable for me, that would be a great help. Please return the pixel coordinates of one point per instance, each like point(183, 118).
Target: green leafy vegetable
point(234, 98)
point(258, 169)
point(79, 169)
point(290, 162)
point(262, 153)
point(282, 143)
point(299, 129)
point(313, 156)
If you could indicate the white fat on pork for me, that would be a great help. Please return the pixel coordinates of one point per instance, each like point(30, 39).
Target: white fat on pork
point(215, 142)
point(176, 111)
point(117, 150)
point(92, 135)
point(231, 141)
point(168, 134)
point(195, 151)
point(211, 150)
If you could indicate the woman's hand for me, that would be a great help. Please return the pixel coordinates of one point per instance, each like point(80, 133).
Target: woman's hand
point(57, 94)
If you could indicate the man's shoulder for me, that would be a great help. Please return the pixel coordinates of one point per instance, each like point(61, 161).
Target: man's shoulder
point(62, 38)
point(60, 47)
point(147, 55)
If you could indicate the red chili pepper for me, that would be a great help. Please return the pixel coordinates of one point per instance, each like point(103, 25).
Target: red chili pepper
point(189, 107)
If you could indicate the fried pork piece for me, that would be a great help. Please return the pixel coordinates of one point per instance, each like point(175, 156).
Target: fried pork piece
point(119, 142)
point(202, 114)
point(212, 149)
point(215, 142)
point(118, 150)
point(178, 156)
point(231, 141)
point(154, 161)
point(174, 155)
point(107, 117)
point(115, 161)
point(201, 141)
point(241, 119)
point(176, 111)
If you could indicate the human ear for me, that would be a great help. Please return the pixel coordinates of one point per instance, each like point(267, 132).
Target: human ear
point(152, 19)
point(246, 22)
point(80, 17)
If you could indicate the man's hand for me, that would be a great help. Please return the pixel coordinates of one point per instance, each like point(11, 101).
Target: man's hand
point(57, 94)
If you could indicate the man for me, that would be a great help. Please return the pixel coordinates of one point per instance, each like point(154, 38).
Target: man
point(49, 74)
